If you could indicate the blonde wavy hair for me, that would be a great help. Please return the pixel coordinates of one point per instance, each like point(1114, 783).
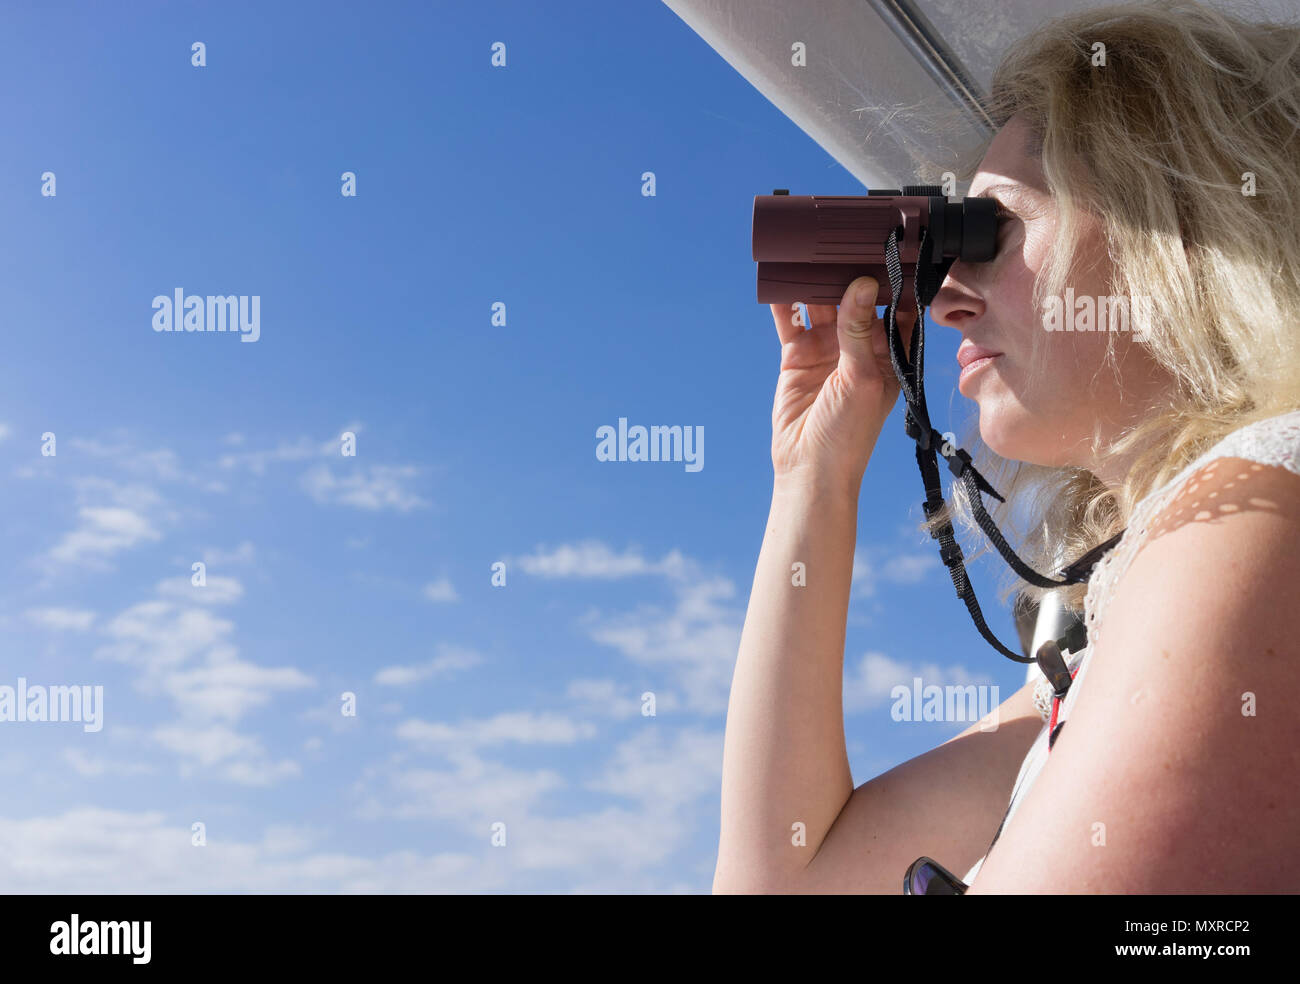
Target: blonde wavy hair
point(1156, 144)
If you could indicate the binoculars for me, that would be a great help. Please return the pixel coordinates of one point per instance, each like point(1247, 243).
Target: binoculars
point(809, 248)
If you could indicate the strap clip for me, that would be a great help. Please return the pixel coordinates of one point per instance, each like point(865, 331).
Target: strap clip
point(958, 462)
point(1053, 666)
point(951, 553)
point(1074, 640)
point(914, 431)
point(930, 507)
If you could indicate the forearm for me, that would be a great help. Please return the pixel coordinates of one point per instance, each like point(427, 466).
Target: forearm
point(785, 761)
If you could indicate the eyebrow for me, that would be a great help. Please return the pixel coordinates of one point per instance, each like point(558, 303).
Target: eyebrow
point(1009, 190)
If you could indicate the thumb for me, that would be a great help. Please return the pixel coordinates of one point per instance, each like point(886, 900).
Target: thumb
point(856, 325)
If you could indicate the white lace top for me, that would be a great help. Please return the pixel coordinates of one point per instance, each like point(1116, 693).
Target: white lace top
point(1275, 441)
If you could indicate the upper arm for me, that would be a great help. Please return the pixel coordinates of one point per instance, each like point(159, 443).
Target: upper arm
point(1177, 771)
point(946, 803)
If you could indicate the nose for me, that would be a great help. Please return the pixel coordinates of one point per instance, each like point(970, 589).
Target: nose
point(957, 302)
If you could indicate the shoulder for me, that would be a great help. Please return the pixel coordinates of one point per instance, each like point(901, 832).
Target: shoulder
point(1187, 720)
point(1233, 506)
point(1219, 557)
point(1218, 564)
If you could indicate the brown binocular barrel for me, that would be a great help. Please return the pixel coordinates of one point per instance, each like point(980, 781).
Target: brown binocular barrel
point(821, 283)
point(831, 228)
point(809, 248)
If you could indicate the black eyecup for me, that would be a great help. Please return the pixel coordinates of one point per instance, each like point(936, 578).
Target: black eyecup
point(979, 237)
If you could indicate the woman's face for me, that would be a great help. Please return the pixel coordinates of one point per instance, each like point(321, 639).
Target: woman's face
point(1045, 417)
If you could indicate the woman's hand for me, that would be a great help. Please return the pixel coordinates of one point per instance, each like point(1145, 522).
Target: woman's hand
point(836, 388)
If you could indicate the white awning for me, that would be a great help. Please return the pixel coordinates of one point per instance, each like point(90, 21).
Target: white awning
point(868, 59)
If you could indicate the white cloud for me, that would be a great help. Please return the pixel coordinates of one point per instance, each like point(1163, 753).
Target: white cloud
point(693, 645)
point(256, 461)
point(261, 772)
point(898, 568)
point(524, 727)
point(449, 660)
point(612, 844)
point(207, 746)
point(155, 635)
point(93, 767)
point(184, 654)
point(102, 532)
point(441, 590)
point(238, 758)
point(243, 554)
point(374, 488)
point(111, 517)
point(160, 464)
point(673, 784)
point(218, 589)
point(912, 568)
point(593, 559)
point(657, 771)
point(332, 445)
point(303, 449)
point(93, 490)
point(605, 698)
point(61, 619)
point(870, 682)
point(93, 851)
point(329, 712)
point(473, 795)
point(285, 838)
point(228, 687)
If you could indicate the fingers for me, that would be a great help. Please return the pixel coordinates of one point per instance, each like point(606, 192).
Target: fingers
point(823, 323)
point(856, 323)
point(815, 346)
point(850, 332)
point(789, 322)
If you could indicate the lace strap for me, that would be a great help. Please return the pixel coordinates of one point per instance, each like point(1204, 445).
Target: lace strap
point(1274, 441)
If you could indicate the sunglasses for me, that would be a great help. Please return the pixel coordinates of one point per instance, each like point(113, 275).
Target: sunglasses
point(928, 877)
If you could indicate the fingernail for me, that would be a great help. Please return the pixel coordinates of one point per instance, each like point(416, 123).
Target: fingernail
point(864, 294)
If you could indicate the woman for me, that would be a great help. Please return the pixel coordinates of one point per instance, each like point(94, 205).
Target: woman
point(1168, 171)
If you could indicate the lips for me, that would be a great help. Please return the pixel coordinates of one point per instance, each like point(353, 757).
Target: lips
point(969, 352)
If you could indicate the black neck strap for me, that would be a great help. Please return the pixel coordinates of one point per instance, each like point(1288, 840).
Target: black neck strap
point(930, 444)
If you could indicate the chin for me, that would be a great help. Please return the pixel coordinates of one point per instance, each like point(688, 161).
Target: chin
point(1011, 432)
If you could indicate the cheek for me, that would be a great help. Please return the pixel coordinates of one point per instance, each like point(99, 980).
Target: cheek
point(1071, 377)
point(1065, 362)
point(1047, 373)
point(1011, 291)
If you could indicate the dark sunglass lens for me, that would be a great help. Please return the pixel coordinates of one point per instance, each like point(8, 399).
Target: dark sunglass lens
point(927, 878)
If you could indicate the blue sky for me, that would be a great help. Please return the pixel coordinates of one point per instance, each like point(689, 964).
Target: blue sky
point(475, 444)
